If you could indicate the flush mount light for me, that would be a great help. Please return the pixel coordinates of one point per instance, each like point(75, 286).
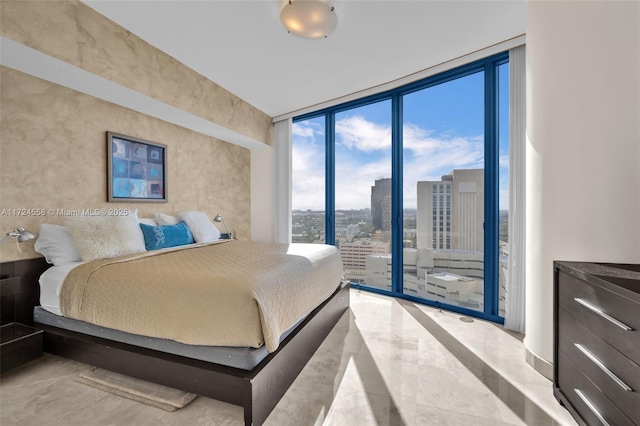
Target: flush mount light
point(309, 18)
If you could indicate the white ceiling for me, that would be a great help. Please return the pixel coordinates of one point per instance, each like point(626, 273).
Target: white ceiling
point(242, 46)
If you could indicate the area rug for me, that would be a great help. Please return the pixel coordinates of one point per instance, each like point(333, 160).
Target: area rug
point(158, 396)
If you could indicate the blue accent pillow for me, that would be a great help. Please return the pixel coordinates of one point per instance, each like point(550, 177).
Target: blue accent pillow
point(158, 237)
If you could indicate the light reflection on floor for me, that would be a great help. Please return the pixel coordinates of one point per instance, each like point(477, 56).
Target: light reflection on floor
point(387, 362)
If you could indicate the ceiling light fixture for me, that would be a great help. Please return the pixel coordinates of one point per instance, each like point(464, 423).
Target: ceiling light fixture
point(309, 18)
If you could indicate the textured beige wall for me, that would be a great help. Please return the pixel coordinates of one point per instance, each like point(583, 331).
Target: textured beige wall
point(53, 156)
point(75, 33)
point(62, 133)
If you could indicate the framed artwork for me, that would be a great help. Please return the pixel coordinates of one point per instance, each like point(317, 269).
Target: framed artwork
point(136, 170)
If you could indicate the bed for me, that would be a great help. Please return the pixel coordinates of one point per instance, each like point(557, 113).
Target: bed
point(253, 373)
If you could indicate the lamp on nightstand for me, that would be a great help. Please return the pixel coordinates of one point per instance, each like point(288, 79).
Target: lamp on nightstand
point(219, 219)
point(21, 234)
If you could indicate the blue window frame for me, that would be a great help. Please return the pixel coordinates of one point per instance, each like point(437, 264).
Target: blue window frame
point(489, 68)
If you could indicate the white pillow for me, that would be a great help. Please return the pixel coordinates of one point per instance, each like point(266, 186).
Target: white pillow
point(165, 219)
point(56, 245)
point(103, 237)
point(200, 226)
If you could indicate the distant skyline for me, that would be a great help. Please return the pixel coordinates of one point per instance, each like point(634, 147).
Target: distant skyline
point(443, 130)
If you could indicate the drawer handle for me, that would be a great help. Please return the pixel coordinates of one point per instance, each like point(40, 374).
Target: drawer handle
point(602, 314)
point(603, 367)
point(592, 407)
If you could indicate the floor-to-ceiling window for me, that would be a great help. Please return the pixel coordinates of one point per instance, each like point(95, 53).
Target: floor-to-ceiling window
point(503, 149)
point(363, 193)
point(308, 162)
point(443, 191)
point(415, 187)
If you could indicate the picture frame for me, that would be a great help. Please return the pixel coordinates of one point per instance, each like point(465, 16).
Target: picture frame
point(136, 170)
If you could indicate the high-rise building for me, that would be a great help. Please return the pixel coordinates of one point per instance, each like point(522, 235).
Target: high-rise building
point(381, 204)
point(354, 256)
point(378, 271)
point(451, 211)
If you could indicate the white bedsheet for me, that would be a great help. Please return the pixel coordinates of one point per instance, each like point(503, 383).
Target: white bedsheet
point(51, 283)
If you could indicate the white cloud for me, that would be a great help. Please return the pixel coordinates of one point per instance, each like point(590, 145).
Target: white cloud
point(353, 184)
point(445, 150)
point(504, 199)
point(308, 192)
point(504, 161)
point(307, 129)
point(307, 174)
point(427, 156)
point(358, 133)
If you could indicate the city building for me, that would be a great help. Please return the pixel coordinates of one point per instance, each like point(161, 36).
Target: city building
point(452, 276)
point(351, 231)
point(451, 211)
point(378, 271)
point(354, 255)
point(381, 205)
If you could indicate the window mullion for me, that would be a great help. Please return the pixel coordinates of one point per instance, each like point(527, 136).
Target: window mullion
point(396, 194)
point(491, 190)
point(330, 178)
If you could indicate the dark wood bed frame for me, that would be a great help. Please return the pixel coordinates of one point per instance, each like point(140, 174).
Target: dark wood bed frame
point(258, 390)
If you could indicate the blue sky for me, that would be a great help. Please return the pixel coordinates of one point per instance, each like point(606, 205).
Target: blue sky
point(443, 130)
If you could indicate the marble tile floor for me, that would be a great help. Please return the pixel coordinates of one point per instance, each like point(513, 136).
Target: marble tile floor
point(387, 362)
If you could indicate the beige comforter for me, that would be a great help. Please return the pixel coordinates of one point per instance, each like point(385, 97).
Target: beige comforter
point(237, 293)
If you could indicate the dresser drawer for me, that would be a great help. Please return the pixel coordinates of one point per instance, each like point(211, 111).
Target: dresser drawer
point(615, 374)
point(611, 316)
point(593, 405)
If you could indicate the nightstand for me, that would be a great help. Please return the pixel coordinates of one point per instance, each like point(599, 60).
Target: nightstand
point(19, 343)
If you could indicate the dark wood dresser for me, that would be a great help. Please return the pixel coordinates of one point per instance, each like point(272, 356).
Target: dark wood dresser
point(597, 341)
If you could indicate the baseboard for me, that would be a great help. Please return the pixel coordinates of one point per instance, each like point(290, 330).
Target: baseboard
point(540, 365)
